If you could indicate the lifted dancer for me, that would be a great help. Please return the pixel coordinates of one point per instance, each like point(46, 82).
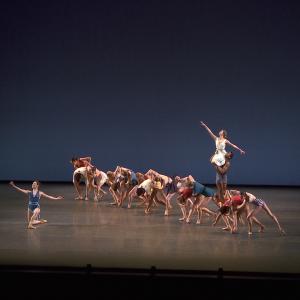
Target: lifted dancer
point(219, 157)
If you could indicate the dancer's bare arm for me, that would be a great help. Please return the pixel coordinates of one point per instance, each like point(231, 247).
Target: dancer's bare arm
point(88, 159)
point(208, 130)
point(222, 170)
point(235, 147)
point(50, 197)
point(19, 189)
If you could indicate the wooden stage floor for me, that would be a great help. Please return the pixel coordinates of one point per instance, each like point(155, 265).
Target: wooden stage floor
point(86, 232)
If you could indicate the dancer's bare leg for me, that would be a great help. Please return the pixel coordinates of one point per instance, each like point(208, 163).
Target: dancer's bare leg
point(152, 196)
point(268, 211)
point(78, 190)
point(194, 206)
point(183, 211)
point(199, 215)
point(34, 216)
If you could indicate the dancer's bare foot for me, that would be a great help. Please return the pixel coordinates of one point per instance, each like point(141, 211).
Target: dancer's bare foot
point(198, 222)
point(86, 199)
point(226, 228)
point(282, 231)
point(182, 219)
point(79, 198)
point(31, 227)
point(188, 221)
point(166, 212)
point(261, 229)
point(249, 232)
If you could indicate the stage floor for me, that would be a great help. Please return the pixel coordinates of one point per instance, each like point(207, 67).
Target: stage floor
point(86, 232)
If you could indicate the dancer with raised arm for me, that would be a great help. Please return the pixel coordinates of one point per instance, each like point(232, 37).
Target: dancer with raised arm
point(34, 202)
point(219, 156)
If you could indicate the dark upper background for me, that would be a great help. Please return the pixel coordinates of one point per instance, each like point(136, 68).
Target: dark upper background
point(128, 82)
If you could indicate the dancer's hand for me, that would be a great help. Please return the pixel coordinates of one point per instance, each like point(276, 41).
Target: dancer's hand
point(59, 197)
point(203, 124)
point(12, 183)
point(243, 152)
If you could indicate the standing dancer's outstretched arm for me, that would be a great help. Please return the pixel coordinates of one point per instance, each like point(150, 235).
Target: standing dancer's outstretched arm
point(235, 147)
point(51, 197)
point(208, 130)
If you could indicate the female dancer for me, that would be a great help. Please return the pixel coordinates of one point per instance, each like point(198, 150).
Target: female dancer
point(203, 195)
point(113, 186)
point(78, 174)
point(100, 178)
point(34, 202)
point(259, 205)
point(129, 182)
point(184, 199)
point(166, 181)
point(237, 205)
point(219, 157)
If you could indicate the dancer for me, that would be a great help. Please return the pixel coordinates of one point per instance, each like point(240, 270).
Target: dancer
point(184, 200)
point(78, 175)
point(35, 195)
point(237, 205)
point(259, 205)
point(221, 176)
point(137, 193)
point(145, 190)
point(219, 157)
point(165, 181)
point(118, 187)
point(100, 178)
point(113, 186)
point(172, 188)
point(203, 195)
point(159, 195)
point(127, 184)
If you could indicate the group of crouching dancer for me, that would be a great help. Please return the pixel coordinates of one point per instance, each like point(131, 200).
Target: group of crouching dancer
point(153, 188)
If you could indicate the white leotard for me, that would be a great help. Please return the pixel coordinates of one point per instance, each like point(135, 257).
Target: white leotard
point(219, 156)
point(103, 178)
point(147, 186)
point(81, 171)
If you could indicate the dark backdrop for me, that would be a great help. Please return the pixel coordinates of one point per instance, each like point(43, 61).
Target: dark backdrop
point(128, 82)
